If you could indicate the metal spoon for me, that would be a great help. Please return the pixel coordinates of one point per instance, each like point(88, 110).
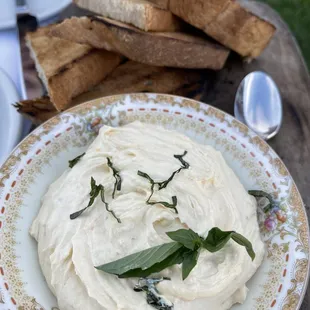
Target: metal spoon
point(258, 104)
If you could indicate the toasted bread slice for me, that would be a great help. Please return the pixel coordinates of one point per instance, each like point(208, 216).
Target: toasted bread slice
point(68, 69)
point(226, 21)
point(170, 49)
point(51, 54)
point(164, 4)
point(130, 77)
point(84, 74)
point(133, 77)
point(37, 110)
point(139, 13)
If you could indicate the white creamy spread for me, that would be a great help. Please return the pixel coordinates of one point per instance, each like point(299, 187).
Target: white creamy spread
point(209, 195)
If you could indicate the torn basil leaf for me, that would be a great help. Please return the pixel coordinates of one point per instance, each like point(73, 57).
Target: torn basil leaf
point(167, 204)
point(163, 184)
point(117, 177)
point(94, 193)
point(185, 165)
point(74, 161)
point(153, 183)
point(107, 205)
point(262, 194)
point(217, 239)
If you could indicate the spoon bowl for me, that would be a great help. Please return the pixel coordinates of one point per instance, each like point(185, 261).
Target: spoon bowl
point(258, 104)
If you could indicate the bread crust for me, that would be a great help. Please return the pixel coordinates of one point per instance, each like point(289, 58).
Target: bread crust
point(228, 23)
point(83, 75)
point(68, 69)
point(170, 49)
point(139, 13)
point(130, 77)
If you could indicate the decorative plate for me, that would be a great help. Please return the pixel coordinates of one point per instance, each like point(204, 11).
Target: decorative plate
point(280, 283)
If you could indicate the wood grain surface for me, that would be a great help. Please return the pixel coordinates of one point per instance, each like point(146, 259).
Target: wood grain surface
point(284, 62)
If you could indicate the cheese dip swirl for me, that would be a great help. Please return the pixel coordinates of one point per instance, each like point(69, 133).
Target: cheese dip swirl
point(209, 195)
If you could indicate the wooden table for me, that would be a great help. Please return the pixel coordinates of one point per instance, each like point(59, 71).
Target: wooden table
point(284, 62)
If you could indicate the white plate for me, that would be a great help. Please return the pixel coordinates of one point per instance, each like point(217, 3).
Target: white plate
point(279, 284)
point(43, 9)
point(11, 121)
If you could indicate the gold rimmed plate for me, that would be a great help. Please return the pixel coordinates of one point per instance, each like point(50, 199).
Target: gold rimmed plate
point(280, 282)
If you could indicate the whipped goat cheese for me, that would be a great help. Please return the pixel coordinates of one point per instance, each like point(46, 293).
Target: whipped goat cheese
point(209, 195)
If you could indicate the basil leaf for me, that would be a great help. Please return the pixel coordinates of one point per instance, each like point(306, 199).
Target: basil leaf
point(75, 215)
point(117, 177)
point(164, 203)
point(146, 176)
point(257, 193)
point(167, 204)
point(217, 239)
point(174, 259)
point(107, 205)
point(74, 161)
point(189, 262)
point(163, 184)
point(142, 260)
point(262, 194)
point(187, 237)
point(244, 242)
point(185, 165)
point(94, 192)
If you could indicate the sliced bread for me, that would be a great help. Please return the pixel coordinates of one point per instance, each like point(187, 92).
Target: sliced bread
point(139, 13)
point(81, 76)
point(68, 69)
point(130, 77)
point(170, 49)
point(164, 4)
point(226, 21)
point(37, 110)
point(52, 54)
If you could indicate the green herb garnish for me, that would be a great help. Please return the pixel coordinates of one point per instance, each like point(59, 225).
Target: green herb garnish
point(262, 194)
point(163, 184)
point(167, 204)
point(185, 165)
point(153, 183)
point(185, 250)
point(74, 161)
point(107, 205)
point(94, 193)
point(187, 237)
point(217, 239)
point(153, 298)
point(118, 179)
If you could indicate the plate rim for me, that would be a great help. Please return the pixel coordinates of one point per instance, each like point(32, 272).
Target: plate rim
point(107, 100)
